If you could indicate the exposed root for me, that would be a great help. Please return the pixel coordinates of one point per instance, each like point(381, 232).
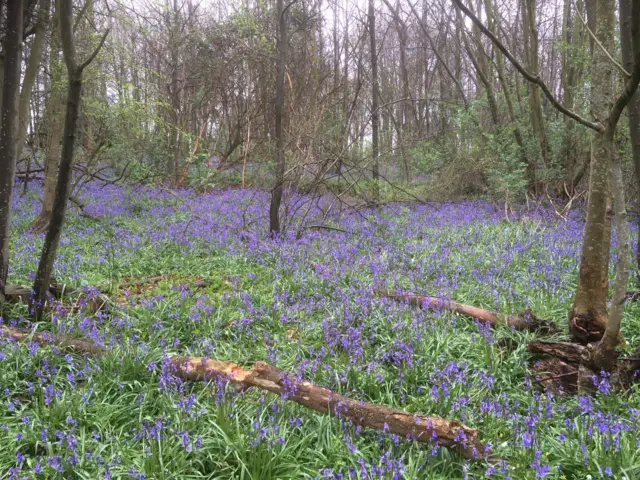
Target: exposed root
point(586, 327)
point(570, 352)
point(569, 368)
point(556, 376)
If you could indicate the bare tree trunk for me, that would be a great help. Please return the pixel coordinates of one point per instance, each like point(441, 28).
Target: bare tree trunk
point(477, 58)
point(74, 94)
point(572, 36)
point(276, 193)
point(12, 51)
point(33, 65)
point(604, 356)
point(634, 104)
point(492, 19)
point(588, 316)
point(408, 115)
point(530, 35)
point(374, 98)
point(54, 128)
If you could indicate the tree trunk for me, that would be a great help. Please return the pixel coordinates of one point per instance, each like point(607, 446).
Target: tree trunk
point(588, 316)
point(492, 19)
point(572, 71)
point(276, 193)
point(74, 94)
point(374, 99)
point(33, 65)
point(530, 35)
point(54, 128)
point(477, 58)
point(12, 51)
point(634, 103)
point(604, 357)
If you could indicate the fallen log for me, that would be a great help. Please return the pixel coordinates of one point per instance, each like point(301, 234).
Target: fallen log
point(18, 293)
point(523, 321)
point(448, 433)
point(569, 352)
point(139, 282)
point(46, 338)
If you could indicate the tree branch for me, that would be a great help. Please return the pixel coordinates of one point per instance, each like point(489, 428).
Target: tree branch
point(597, 126)
point(604, 50)
point(438, 56)
point(96, 51)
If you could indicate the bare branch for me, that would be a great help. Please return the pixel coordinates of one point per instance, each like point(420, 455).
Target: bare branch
point(604, 50)
point(96, 51)
point(597, 126)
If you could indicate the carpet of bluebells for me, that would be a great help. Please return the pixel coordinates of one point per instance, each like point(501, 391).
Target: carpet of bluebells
point(305, 304)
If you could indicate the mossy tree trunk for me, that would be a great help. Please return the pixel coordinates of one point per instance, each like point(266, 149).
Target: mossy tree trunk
point(588, 316)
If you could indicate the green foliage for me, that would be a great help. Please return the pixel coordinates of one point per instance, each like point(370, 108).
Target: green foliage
point(127, 142)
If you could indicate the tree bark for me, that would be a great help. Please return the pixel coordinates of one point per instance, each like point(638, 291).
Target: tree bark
point(573, 36)
point(374, 99)
point(633, 108)
point(54, 129)
point(478, 60)
point(604, 356)
point(492, 19)
point(74, 94)
point(588, 316)
point(31, 72)
point(276, 193)
point(530, 34)
point(12, 50)
point(448, 433)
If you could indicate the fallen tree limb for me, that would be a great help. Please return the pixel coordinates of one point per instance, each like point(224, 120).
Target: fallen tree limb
point(17, 293)
point(139, 282)
point(136, 282)
point(570, 352)
point(448, 433)
point(524, 321)
point(46, 338)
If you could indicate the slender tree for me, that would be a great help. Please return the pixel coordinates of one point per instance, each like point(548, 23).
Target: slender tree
point(74, 94)
point(626, 41)
point(276, 193)
point(12, 50)
point(375, 94)
point(588, 318)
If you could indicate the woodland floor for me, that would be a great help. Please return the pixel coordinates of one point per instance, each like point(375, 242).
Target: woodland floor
point(307, 306)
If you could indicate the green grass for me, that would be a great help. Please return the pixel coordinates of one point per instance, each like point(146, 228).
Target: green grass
point(306, 310)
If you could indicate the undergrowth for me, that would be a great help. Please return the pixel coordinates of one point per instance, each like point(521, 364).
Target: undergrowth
point(307, 307)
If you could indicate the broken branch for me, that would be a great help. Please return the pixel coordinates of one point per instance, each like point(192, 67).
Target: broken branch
point(448, 433)
point(524, 321)
point(571, 352)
